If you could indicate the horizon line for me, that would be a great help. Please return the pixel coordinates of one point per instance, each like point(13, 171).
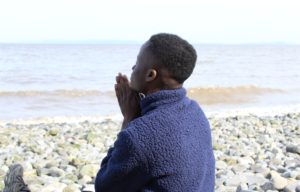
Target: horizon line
point(133, 42)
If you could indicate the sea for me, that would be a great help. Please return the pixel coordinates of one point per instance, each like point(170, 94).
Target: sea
point(69, 82)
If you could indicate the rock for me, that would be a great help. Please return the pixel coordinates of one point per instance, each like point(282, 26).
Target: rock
point(276, 161)
point(246, 160)
point(256, 166)
point(255, 180)
point(43, 171)
point(23, 140)
point(255, 188)
point(268, 186)
point(218, 181)
point(282, 170)
point(45, 189)
point(56, 172)
point(90, 170)
point(274, 174)
point(54, 132)
point(263, 171)
point(221, 188)
point(76, 162)
point(37, 181)
point(290, 174)
point(65, 161)
point(67, 182)
point(70, 188)
point(17, 159)
point(263, 139)
point(89, 187)
point(279, 182)
point(86, 179)
point(220, 165)
point(238, 168)
point(242, 186)
point(26, 166)
point(57, 190)
point(293, 149)
point(71, 177)
point(235, 180)
point(291, 187)
point(52, 164)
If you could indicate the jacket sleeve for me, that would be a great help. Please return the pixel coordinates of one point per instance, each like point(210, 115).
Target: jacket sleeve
point(125, 167)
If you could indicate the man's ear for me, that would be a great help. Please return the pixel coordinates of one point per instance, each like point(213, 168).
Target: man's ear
point(151, 75)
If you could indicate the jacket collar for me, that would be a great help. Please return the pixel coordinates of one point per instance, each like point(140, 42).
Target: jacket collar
point(161, 99)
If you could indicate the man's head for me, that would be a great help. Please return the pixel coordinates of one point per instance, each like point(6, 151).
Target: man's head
point(165, 61)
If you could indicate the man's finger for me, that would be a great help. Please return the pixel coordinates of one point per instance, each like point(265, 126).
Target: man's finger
point(128, 91)
point(127, 80)
point(120, 91)
point(122, 87)
point(117, 91)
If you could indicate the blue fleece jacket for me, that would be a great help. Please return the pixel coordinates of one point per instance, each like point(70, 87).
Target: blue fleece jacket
point(168, 148)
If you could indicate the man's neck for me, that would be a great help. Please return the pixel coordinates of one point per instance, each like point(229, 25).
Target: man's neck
point(165, 87)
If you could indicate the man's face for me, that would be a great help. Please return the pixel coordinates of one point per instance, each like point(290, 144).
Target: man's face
point(139, 73)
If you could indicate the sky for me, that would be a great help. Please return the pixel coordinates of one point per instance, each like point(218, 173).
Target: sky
point(200, 21)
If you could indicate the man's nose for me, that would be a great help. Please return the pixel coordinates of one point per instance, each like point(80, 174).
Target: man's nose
point(133, 67)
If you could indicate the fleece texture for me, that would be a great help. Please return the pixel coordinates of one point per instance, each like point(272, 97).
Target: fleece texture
point(168, 148)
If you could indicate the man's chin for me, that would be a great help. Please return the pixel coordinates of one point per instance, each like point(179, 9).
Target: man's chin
point(133, 89)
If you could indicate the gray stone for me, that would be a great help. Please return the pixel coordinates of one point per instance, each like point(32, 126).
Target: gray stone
point(235, 180)
point(255, 188)
point(256, 166)
point(263, 171)
point(274, 174)
point(43, 171)
point(268, 186)
point(242, 186)
point(52, 164)
point(293, 149)
point(70, 188)
point(290, 174)
point(26, 166)
point(291, 187)
point(282, 170)
point(220, 165)
point(255, 180)
point(90, 170)
point(56, 172)
point(221, 188)
point(246, 160)
point(219, 181)
point(54, 132)
point(37, 181)
point(238, 168)
point(279, 182)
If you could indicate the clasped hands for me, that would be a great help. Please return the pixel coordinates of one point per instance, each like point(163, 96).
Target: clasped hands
point(129, 101)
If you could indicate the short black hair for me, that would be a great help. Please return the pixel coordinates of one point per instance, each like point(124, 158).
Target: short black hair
point(175, 53)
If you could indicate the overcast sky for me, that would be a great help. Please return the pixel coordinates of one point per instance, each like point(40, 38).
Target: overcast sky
point(201, 21)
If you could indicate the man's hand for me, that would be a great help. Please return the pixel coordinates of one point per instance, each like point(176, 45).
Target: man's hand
point(129, 101)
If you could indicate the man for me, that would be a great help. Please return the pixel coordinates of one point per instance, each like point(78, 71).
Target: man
point(165, 141)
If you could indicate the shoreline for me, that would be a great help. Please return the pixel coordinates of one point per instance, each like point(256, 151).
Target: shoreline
point(257, 111)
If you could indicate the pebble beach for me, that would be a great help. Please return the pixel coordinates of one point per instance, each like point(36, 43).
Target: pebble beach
point(252, 153)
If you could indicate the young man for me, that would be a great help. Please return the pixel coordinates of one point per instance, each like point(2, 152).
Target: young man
point(165, 141)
